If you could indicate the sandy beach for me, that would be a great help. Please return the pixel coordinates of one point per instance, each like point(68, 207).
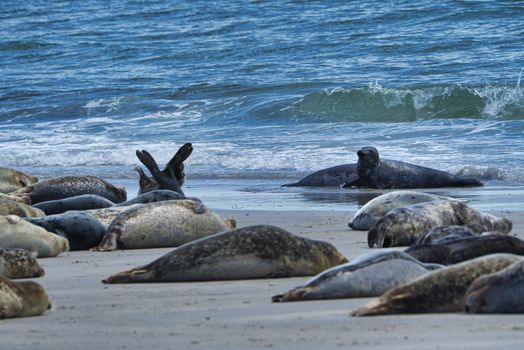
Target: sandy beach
point(88, 314)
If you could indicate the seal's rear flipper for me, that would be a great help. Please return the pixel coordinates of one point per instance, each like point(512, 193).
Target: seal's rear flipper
point(373, 308)
point(295, 184)
point(354, 183)
point(180, 156)
point(137, 275)
point(165, 182)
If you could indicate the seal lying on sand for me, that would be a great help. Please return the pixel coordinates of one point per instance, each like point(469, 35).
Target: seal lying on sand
point(12, 180)
point(438, 291)
point(18, 233)
point(107, 215)
point(20, 299)
point(367, 276)
point(162, 224)
point(465, 249)
point(82, 202)
point(441, 234)
point(19, 263)
point(260, 251)
point(10, 207)
point(18, 199)
point(333, 176)
point(81, 229)
point(404, 226)
point(70, 186)
point(376, 208)
point(374, 172)
point(500, 292)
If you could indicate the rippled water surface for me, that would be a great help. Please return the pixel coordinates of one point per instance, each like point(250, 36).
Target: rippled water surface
point(265, 90)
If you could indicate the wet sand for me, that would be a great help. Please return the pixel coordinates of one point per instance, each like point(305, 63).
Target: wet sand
point(88, 314)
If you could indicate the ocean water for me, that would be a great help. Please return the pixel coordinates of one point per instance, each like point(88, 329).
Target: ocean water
point(267, 92)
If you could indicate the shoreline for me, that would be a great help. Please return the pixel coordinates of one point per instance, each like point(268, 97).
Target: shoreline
point(87, 313)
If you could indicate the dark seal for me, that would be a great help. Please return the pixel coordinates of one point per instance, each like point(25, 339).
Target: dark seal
point(374, 172)
point(335, 176)
point(70, 186)
point(81, 230)
point(465, 249)
point(165, 182)
point(82, 202)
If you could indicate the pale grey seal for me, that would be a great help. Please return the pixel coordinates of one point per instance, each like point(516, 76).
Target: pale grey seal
point(259, 251)
point(369, 275)
point(11, 207)
point(12, 180)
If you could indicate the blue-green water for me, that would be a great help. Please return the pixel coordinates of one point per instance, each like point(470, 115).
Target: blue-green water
point(266, 91)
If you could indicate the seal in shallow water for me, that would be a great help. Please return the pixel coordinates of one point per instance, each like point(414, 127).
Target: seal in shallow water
point(19, 263)
point(82, 202)
point(21, 299)
point(452, 252)
point(438, 291)
point(82, 230)
point(162, 224)
point(12, 180)
point(333, 176)
point(259, 251)
point(404, 226)
point(70, 186)
point(374, 172)
point(500, 292)
point(18, 233)
point(376, 208)
point(367, 276)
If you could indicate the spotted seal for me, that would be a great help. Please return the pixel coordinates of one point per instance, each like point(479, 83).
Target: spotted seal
point(173, 170)
point(333, 176)
point(162, 224)
point(70, 186)
point(15, 198)
point(404, 226)
point(441, 234)
point(376, 208)
point(438, 291)
point(19, 263)
point(82, 230)
point(21, 299)
point(367, 276)
point(260, 251)
point(12, 180)
point(500, 292)
point(452, 252)
point(374, 172)
point(11, 207)
point(107, 215)
point(81, 202)
point(18, 233)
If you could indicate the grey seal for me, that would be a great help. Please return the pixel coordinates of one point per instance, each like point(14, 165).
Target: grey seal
point(19, 263)
point(82, 230)
point(374, 172)
point(452, 252)
point(441, 234)
point(12, 180)
point(18, 233)
point(369, 275)
point(333, 176)
point(22, 299)
point(438, 291)
point(70, 186)
point(11, 207)
point(162, 224)
point(260, 251)
point(81, 202)
point(376, 208)
point(154, 196)
point(404, 226)
point(107, 215)
point(500, 292)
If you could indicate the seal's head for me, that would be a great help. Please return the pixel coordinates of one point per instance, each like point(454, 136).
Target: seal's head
point(368, 156)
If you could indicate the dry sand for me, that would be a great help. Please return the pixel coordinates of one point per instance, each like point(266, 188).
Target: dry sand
point(234, 314)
